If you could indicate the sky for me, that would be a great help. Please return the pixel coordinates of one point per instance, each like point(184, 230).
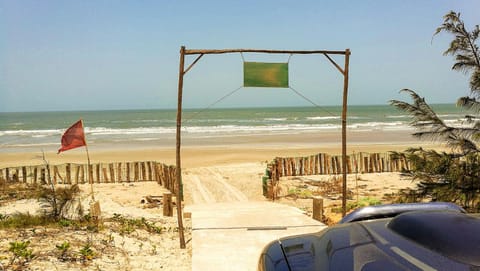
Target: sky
point(109, 55)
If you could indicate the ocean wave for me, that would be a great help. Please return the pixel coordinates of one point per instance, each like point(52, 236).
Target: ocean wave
point(129, 131)
point(45, 132)
point(323, 118)
point(275, 119)
point(105, 131)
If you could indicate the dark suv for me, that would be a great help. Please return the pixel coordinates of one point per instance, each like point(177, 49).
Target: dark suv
point(419, 236)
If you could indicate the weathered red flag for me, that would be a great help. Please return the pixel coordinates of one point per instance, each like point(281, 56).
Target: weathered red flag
point(73, 137)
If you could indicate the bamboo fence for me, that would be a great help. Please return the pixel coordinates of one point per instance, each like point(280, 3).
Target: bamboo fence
point(70, 173)
point(325, 164)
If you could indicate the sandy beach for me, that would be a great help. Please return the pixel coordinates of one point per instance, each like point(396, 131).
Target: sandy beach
point(222, 169)
point(222, 149)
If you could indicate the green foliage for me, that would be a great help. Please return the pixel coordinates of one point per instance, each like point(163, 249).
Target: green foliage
point(128, 225)
point(87, 253)
point(21, 254)
point(21, 220)
point(57, 198)
point(65, 223)
point(300, 193)
point(449, 176)
point(64, 249)
point(463, 47)
point(363, 202)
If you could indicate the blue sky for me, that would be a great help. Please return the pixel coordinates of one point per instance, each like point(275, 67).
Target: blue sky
point(91, 55)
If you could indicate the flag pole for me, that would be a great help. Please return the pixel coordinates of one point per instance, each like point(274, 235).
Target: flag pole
point(90, 181)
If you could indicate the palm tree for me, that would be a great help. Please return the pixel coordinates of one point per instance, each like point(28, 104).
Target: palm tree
point(451, 176)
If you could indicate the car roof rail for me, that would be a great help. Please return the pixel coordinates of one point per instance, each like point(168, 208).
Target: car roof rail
point(392, 210)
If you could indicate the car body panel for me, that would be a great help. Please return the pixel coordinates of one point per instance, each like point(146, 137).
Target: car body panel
point(412, 240)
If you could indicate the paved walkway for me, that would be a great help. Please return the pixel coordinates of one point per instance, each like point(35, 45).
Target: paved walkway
point(230, 236)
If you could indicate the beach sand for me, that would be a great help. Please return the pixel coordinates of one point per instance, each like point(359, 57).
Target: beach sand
point(214, 169)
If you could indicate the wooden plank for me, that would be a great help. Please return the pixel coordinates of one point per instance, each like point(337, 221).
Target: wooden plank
point(265, 51)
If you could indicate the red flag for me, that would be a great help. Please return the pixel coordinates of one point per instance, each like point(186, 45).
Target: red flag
point(73, 137)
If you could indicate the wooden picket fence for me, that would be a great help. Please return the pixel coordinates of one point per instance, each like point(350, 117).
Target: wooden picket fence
point(70, 173)
point(323, 164)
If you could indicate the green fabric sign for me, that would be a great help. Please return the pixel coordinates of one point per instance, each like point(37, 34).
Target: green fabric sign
point(270, 75)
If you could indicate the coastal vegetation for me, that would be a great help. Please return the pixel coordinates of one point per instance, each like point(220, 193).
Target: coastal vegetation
point(452, 176)
point(75, 243)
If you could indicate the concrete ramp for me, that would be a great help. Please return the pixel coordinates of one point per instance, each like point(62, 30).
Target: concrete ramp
point(230, 236)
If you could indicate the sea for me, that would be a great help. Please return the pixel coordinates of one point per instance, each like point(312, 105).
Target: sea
point(21, 131)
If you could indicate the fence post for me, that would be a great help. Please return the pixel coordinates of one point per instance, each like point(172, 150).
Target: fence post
point(167, 204)
point(97, 172)
point(119, 173)
point(24, 174)
point(105, 175)
point(111, 167)
point(128, 172)
point(43, 179)
point(135, 172)
point(317, 208)
point(68, 174)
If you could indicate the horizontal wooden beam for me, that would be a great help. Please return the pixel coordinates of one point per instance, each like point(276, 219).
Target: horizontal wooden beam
point(226, 51)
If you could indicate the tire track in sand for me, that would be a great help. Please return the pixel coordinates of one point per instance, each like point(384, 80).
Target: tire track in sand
point(208, 185)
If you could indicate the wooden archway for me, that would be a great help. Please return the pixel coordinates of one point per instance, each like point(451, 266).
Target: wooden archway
point(200, 53)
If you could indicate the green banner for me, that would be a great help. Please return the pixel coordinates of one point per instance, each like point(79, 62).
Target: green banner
point(270, 75)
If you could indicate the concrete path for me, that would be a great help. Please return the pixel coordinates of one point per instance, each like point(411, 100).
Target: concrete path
point(230, 236)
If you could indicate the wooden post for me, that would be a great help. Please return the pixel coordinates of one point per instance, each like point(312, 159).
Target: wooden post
point(68, 173)
point(144, 173)
point(149, 170)
point(112, 172)
point(7, 174)
point(181, 73)
point(317, 208)
point(15, 176)
point(24, 174)
point(158, 177)
point(82, 174)
point(128, 172)
point(167, 204)
point(77, 173)
point(119, 173)
point(55, 173)
point(34, 175)
point(43, 179)
point(97, 172)
point(344, 131)
point(135, 172)
point(105, 175)
point(90, 173)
